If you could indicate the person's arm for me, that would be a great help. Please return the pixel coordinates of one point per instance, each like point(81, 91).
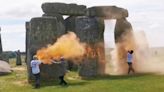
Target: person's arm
point(56, 62)
point(39, 62)
point(31, 64)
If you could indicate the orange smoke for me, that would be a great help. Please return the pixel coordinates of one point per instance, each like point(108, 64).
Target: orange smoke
point(118, 63)
point(90, 51)
point(67, 46)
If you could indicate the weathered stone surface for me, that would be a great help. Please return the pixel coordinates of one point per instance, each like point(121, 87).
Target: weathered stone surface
point(2, 56)
point(4, 68)
point(1, 50)
point(88, 67)
point(18, 58)
point(51, 72)
point(100, 49)
point(63, 9)
point(72, 65)
point(124, 41)
point(107, 12)
point(27, 25)
point(90, 30)
point(43, 31)
point(58, 16)
point(122, 27)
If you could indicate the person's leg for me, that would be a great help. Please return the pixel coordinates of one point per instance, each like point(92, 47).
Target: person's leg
point(35, 80)
point(38, 79)
point(65, 83)
point(132, 69)
point(37, 85)
point(61, 80)
point(129, 64)
point(129, 70)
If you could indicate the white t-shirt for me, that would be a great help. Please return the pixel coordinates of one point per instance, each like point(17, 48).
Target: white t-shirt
point(129, 58)
point(35, 66)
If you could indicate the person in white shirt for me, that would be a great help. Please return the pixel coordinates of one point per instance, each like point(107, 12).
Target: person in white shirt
point(130, 61)
point(36, 70)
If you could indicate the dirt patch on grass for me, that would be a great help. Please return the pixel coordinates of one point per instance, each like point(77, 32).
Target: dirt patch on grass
point(19, 68)
point(21, 83)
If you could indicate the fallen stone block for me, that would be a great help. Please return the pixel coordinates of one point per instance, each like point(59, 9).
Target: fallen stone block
point(4, 68)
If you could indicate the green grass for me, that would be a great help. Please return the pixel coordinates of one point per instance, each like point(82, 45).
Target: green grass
point(17, 82)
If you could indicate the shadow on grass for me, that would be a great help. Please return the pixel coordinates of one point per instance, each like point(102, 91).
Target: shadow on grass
point(115, 77)
point(5, 74)
point(78, 83)
point(56, 83)
point(86, 81)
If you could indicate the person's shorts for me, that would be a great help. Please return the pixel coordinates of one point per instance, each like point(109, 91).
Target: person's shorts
point(129, 63)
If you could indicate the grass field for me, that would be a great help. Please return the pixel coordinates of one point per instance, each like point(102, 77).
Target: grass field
point(17, 82)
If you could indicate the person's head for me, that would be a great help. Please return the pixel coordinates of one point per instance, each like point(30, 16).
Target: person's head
point(61, 58)
point(53, 59)
point(131, 51)
point(35, 57)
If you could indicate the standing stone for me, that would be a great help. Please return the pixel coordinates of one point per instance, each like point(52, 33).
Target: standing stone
point(18, 58)
point(3, 56)
point(90, 30)
point(107, 12)
point(58, 16)
point(124, 41)
point(0, 43)
point(88, 67)
point(64, 9)
point(60, 20)
point(27, 39)
point(101, 57)
point(43, 31)
point(122, 28)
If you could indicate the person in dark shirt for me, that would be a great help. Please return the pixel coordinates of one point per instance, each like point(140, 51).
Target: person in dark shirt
point(63, 67)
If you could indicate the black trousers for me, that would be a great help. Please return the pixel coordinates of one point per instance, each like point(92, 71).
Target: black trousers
point(62, 81)
point(37, 80)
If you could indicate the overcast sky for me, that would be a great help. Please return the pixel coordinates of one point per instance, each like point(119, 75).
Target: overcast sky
point(144, 15)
